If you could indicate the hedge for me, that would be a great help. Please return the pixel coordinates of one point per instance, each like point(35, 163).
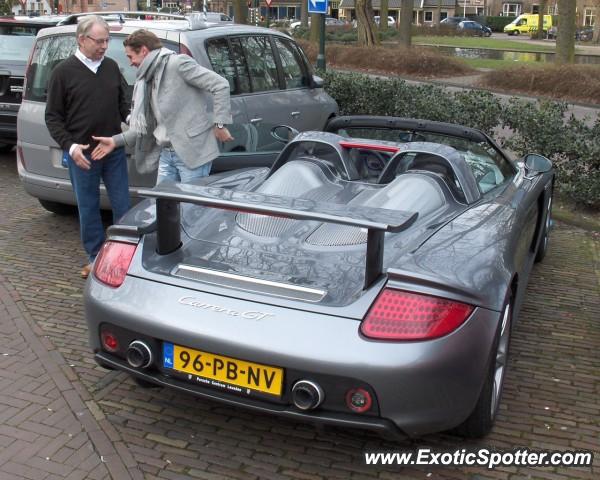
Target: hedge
point(542, 127)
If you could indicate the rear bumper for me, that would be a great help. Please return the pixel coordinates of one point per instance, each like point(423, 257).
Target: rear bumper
point(331, 418)
point(420, 387)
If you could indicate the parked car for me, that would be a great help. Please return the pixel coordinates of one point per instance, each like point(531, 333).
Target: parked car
point(330, 22)
point(448, 21)
point(585, 34)
point(270, 79)
point(357, 282)
point(470, 27)
point(391, 21)
point(17, 36)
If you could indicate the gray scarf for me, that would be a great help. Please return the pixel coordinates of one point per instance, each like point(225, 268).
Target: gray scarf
point(142, 119)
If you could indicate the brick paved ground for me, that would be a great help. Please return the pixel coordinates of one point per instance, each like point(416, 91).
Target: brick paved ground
point(64, 417)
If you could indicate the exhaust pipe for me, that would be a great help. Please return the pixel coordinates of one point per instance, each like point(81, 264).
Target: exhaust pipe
point(307, 395)
point(139, 354)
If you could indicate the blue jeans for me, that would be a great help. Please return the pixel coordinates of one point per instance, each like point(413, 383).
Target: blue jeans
point(172, 168)
point(86, 184)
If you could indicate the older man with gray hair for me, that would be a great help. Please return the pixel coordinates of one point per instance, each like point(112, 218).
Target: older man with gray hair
point(87, 96)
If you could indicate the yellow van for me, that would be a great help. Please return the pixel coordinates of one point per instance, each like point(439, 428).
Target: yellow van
point(526, 23)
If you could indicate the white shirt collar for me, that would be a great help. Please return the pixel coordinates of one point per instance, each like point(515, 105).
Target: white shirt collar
point(93, 65)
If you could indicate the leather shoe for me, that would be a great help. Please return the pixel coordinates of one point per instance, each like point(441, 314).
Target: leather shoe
point(85, 271)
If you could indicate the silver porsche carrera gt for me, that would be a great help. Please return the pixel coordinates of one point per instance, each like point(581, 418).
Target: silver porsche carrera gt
point(370, 277)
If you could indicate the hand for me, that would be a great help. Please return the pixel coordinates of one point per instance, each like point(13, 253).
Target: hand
point(104, 147)
point(79, 158)
point(222, 134)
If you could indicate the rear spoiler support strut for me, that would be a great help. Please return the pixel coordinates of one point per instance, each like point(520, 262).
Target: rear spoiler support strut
point(376, 221)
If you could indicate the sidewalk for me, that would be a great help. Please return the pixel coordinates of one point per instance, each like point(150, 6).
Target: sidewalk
point(49, 427)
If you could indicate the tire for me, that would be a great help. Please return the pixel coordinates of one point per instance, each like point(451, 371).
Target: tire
point(58, 208)
point(516, 32)
point(545, 237)
point(481, 420)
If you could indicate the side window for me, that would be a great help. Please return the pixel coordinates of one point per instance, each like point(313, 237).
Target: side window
point(221, 61)
point(291, 63)
point(261, 63)
point(227, 59)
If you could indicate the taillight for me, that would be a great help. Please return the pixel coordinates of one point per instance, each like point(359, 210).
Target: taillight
point(400, 315)
point(113, 262)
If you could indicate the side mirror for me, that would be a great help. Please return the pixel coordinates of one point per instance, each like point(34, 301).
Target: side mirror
point(536, 164)
point(317, 82)
point(283, 133)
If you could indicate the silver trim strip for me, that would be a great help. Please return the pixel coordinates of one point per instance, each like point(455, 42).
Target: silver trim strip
point(247, 283)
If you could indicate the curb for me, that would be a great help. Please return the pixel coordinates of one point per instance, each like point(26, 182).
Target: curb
point(100, 433)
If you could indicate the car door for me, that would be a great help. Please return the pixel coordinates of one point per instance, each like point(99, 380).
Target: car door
point(282, 87)
point(252, 145)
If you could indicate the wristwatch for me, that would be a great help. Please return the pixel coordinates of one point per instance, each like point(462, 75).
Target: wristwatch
point(219, 125)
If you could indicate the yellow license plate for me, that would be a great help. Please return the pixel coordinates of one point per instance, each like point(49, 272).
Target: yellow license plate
point(219, 368)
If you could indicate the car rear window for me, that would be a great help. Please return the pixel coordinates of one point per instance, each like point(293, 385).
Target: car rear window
point(51, 50)
point(16, 42)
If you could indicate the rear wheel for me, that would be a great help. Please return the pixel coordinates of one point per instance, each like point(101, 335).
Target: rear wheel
point(482, 419)
point(58, 208)
point(545, 238)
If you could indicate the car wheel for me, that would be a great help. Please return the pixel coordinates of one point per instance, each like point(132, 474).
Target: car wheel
point(482, 419)
point(58, 208)
point(545, 238)
point(516, 32)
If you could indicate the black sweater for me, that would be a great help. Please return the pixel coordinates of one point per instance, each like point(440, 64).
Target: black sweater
point(82, 103)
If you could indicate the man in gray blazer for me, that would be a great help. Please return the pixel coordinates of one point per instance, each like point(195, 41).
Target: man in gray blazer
point(170, 124)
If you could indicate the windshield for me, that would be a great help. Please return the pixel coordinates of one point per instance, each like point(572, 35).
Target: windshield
point(488, 166)
point(15, 46)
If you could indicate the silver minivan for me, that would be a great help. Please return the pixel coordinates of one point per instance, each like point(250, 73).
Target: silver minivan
point(271, 83)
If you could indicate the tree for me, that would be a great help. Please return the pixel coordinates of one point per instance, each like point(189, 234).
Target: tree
point(304, 14)
point(366, 23)
point(383, 14)
point(543, 8)
point(596, 38)
point(405, 25)
point(240, 11)
point(6, 7)
point(438, 13)
point(565, 39)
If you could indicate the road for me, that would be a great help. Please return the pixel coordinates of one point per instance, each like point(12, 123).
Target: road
point(65, 417)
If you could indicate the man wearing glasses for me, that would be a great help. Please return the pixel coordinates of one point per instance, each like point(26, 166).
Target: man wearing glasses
point(86, 95)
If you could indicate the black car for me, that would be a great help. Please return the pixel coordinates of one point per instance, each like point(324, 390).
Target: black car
point(470, 27)
point(17, 35)
point(585, 34)
point(453, 21)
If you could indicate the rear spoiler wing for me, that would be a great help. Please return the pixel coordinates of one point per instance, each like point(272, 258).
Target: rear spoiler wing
point(376, 221)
